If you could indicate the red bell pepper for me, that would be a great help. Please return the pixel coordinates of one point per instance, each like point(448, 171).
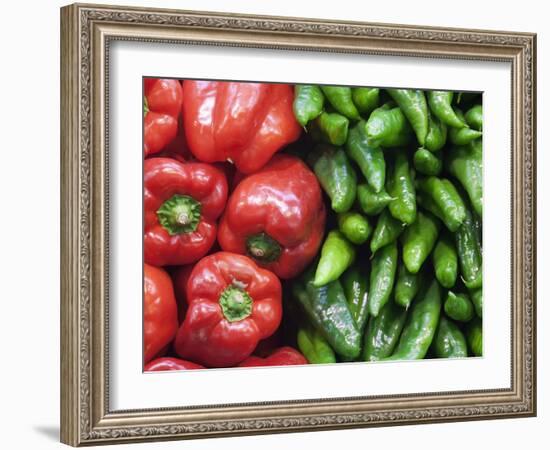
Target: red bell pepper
point(160, 315)
point(182, 202)
point(243, 122)
point(276, 216)
point(232, 305)
point(180, 276)
point(161, 108)
point(284, 356)
point(161, 364)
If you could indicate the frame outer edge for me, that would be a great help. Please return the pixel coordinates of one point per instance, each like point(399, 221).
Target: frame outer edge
point(70, 298)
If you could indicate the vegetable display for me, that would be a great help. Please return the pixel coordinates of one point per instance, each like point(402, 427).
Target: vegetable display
point(310, 224)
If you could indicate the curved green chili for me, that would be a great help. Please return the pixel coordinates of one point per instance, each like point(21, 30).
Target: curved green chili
point(383, 332)
point(382, 276)
point(337, 254)
point(440, 103)
point(308, 102)
point(449, 342)
point(369, 158)
point(446, 197)
point(474, 117)
point(387, 230)
point(388, 127)
point(421, 325)
point(407, 286)
point(314, 346)
point(333, 128)
point(341, 100)
point(354, 226)
point(427, 163)
point(413, 104)
point(477, 300)
point(469, 253)
point(400, 185)
point(365, 99)
point(474, 336)
point(463, 136)
point(418, 241)
point(458, 307)
point(356, 289)
point(372, 203)
point(437, 134)
point(445, 261)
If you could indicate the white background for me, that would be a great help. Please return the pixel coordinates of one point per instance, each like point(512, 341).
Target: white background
point(132, 389)
point(29, 231)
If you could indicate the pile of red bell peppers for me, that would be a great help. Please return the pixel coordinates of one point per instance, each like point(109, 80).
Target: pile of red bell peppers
point(227, 217)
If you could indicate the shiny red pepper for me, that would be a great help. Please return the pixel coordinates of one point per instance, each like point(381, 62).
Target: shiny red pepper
point(180, 276)
point(233, 304)
point(276, 216)
point(160, 315)
point(284, 356)
point(243, 122)
point(161, 108)
point(182, 202)
point(161, 364)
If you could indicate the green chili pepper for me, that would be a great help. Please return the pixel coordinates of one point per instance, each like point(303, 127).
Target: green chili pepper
point(446, 197)
point(340, 99)
point(445, 261)
point(327, 309)
point(401, 186)
point(387, 230)
point(463, 136)
point(421, 325)
point(427, 162)
point(365, 99)
point(356, 289)
point(469, 253)
point(428, 204)
point(449, 342)
point(459, 307)
point(370, 159)
point(355, 227)
point(440, 105)
point(314, 346)
point(413, 104)
point(407, 286)
point(418, 241)
point(382, 276)
point(474, 336)
point(437, 134)
point(308, 102)
point(477, 300)
point(337, 254)
point(388, 127)
point(474, 117)
point(336, 176)
point(333, 127)
point(383, 332)
point(372, 203)
point(466, 164)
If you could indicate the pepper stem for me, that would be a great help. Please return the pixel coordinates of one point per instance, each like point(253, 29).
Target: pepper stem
point(263, 248)
point(179, 214)
point(145, 106)
point(236, 303)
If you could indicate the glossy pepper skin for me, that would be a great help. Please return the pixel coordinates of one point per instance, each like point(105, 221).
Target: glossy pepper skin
point(463, 136)
point(466, 164)
point(356, 288)
point(365, 99)
point(308, 102)
point(233, 304)
point(413, 104)
point(368, 157)
point(469, 253)
point(474, 117)
point(437, 134)
point(314, 346)
point(407, 286)
point(354, 226)
point(444, 194)
point(419, 240)
point(161, 109)
point(387, 230)
point(388, 127)
point(383, 332)
point(180, 276)
point(427, 162)
point(449, 341)
point(284, 356)
point(382, 277)
point(333, 128)
point(337, 254)
point(166, 363)
point(336, 175)
point(421, 325)
point(400, 186)
point(327, 309)
point(276, 216)
point(340, 98)
point(372, 203)
point(445, 261)
point(440, 103)
point(458, 307)
point(160, 314)
point(474, 336)
point(182, 202)
point(246, 123)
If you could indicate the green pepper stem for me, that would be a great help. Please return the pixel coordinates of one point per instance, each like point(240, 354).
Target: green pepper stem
point(263, 248)
point(179, 214)
point(236, 303)
point(145, 106)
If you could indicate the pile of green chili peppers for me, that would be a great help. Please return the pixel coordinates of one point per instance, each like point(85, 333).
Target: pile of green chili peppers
point(399, 275)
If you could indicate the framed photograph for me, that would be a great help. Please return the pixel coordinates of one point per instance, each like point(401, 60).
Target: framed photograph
point(277, 224)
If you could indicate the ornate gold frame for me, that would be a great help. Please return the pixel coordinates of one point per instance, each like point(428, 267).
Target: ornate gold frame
point(86, 31)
